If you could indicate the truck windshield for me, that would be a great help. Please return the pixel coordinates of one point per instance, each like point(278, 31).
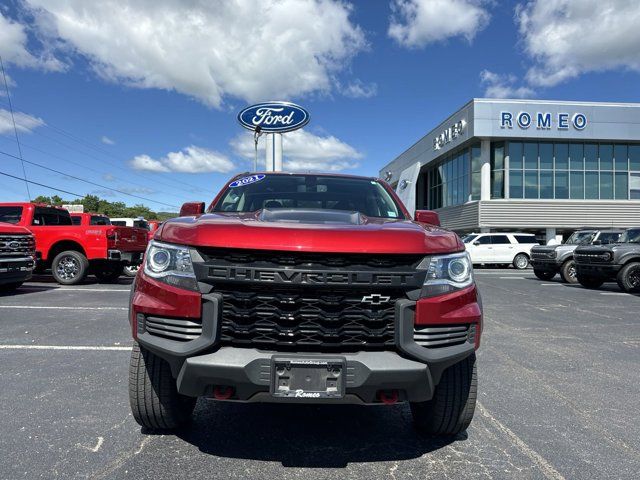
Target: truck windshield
point(631, 236)
point(259, 192)
point(10, 214)
point(468, 238)
point(580, 238)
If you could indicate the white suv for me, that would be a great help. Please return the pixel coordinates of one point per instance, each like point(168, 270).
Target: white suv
point(500, 248)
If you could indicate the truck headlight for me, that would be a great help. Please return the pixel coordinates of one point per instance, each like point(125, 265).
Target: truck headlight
point(446, 273)
point(170, 264)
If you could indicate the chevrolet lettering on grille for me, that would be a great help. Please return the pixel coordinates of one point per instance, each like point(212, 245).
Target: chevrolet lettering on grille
point(305, 277)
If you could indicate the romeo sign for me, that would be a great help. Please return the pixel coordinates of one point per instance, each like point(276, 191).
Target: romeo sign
point(274, 117)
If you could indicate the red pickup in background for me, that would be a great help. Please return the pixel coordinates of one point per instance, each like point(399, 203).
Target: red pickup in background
point(74, 251)
point(17, 256)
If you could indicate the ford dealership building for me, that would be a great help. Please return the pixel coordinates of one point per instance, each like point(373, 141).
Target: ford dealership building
point(545, 167)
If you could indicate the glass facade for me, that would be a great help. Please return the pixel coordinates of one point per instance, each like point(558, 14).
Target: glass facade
point(538, 170)
point(575, 170)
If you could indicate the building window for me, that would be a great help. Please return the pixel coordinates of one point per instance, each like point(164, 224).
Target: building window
point(634, 186)
point(476, 176)
point(497, 170)
point(449, 182)
point(560, 170)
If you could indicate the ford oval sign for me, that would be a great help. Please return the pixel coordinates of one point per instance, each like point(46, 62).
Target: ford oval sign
point(274, 117)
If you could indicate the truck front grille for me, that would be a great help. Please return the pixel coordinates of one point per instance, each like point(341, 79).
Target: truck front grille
point(308, 319)
point(593, 257)
point(17, 246)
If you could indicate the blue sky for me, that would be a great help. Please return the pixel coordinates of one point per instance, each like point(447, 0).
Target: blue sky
point(142, 96)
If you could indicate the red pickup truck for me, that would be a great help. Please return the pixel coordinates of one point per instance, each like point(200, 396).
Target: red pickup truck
point(305, 288)
point(73, 251)
point(17, 255)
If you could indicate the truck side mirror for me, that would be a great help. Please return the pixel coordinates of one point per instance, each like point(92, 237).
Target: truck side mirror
point(476, 243)
point(191, 208)
point(428, 216)
point(597, 242)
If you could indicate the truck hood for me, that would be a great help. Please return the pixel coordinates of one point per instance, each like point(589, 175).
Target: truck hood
point(10, 229)
point(305, 230)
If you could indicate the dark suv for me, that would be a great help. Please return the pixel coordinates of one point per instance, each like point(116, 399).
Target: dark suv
point(548, 260)
point(620, 261)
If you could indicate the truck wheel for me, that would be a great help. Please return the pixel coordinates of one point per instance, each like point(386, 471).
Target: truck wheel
point(108, 272)
point(70, 267)
point(153, 396)
point(521, 261)
point(568, 271)
point(629, 277)
point(131, 270)
point(590, 282)
point(450, 411)
point(543, 275)
point(10, 287)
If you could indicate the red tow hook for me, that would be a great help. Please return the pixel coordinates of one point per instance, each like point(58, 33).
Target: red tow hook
point(222, 392)
point(388, 397)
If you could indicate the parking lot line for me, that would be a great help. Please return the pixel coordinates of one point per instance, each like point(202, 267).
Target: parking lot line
point(614, 293)
point(546, 468)
point(64, 347)
point(513, 278)
point(18, 307)
point(65, 289)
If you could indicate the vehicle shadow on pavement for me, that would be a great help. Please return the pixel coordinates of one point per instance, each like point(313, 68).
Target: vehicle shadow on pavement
point(312, 436)
point(27, 289)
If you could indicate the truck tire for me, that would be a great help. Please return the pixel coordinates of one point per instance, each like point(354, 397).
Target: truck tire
point(10, 287)
point(69, 267)
point(108, 272)
point(629, 277)
point(451, 409)
point(543, 275)
point(153, 396)
point(590, 282)
point(521, 261)
point(131, 270)
point(568, 271)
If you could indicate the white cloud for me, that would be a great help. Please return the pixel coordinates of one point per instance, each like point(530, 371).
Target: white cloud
point(566, 38)
point(13, 48)
point(358, 89)
point(109, 177)
point(190, 160)
point(416, 23)
point(503, 86)
point(25, 123)
point(303, 150)
point(247, 49)
point(107, 141)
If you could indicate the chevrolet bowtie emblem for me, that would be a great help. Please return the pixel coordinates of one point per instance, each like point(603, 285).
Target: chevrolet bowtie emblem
point(375, 299)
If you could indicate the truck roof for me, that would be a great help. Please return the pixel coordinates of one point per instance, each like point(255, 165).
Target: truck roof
point(35, 204)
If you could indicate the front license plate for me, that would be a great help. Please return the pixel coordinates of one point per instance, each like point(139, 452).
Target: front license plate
point(308, 378)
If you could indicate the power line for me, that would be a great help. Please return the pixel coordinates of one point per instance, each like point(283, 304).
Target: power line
point(41, 185)
point(88, 181)
point(15, 128)
point(100, 150)
point(53, 155)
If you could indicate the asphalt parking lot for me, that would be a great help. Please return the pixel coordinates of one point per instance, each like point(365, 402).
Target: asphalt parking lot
point(558, 398)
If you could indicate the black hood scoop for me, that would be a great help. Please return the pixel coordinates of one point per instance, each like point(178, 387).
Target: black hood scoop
point(311, 216)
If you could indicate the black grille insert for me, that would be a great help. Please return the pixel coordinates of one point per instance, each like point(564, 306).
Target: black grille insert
point(308, 319)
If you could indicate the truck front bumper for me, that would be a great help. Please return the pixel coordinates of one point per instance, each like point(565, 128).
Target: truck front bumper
point(249, 373)
point(14, 270)
point(606, 271)
point(200, 364)
point(545, 265)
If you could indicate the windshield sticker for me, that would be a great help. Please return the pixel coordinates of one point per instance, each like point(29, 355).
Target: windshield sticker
point(392, 214)
point(241, 182)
